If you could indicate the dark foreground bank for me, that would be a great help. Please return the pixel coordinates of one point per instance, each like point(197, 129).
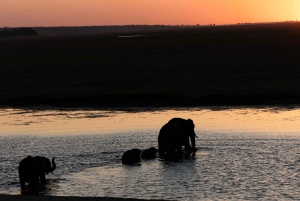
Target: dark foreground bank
point(61, 198)
point(222, 65)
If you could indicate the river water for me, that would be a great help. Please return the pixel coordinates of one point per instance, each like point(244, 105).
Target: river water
point(243, 153)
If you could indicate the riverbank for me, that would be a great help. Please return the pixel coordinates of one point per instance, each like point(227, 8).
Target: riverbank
point(61, 198)
point(201, 66)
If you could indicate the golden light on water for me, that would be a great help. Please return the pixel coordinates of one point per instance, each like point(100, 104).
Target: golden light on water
point(53, 122)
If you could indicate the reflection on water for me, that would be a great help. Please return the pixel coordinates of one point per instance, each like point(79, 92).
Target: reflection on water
point(243, 153)
point(131, 36)
point(58, 122)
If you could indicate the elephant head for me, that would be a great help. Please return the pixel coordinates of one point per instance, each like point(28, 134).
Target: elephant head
point(46, 164)
point(176, 133)
point(149, 153)
point(188, 128)
point(32, 170)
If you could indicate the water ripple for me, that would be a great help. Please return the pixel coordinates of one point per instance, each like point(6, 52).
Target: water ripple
point(244, 166)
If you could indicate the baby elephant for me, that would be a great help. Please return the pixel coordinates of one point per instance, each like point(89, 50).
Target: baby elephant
point(149, 153)
point(32, 170)
point(131, 156)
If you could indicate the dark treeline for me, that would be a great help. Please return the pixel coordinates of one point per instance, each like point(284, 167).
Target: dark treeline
point(67, 30)
point(255, 64)
point(9, 32)
point(104, 29)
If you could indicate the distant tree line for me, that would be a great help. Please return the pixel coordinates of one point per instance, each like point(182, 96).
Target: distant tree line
point(9, 32)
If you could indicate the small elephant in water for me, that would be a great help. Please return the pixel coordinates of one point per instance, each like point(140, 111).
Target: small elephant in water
point(149, 153)
point(174, 134)
point(131, 156)
point(32, 170)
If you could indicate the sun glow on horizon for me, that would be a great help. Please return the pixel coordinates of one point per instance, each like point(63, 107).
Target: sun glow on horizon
point(116, 12)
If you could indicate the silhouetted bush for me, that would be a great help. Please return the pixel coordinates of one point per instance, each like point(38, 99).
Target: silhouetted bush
point(8, 32)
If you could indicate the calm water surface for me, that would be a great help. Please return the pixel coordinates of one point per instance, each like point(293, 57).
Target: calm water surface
point(243, 153)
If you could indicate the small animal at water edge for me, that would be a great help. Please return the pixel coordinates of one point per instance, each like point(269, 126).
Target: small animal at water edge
point(32, 170)
point(131, 156)
point(149, 153)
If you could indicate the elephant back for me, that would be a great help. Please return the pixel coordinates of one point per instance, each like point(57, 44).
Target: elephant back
point(28, 167)
point(131, 156)
point(167, 131)
point(176, 127)
point(186, 123)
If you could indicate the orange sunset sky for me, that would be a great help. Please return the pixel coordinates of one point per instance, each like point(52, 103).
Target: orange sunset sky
point(18, 13)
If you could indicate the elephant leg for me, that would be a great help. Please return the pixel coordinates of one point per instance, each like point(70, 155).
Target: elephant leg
point(187, 144)
point(43, 178)
point(34, 184)
point(179, 148)
point(161, 152)
point(161, 149)
point(22, 182)
point(188, 147)
point(171, 151)
point(162, 145)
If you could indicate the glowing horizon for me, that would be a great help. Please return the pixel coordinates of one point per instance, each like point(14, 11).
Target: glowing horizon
point(17, 13)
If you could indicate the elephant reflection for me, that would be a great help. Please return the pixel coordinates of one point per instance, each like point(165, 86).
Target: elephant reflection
point(174, 134)
point(32, 170)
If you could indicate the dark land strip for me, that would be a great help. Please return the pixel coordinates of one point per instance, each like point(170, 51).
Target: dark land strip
point(201, 66)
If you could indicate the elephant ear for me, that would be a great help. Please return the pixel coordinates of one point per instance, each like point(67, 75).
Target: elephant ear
point(190, 123)
point(46, 164)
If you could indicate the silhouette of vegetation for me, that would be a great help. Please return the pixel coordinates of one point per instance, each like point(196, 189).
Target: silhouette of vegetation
point(255, 64)
point(65, 30)
point(9, 32)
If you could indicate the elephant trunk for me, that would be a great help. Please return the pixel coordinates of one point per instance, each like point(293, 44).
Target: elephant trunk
point(193, 140)
point(53, 165)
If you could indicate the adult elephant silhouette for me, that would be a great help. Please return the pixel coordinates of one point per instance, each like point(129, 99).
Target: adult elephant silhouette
point(32, 170)
point(174, 134)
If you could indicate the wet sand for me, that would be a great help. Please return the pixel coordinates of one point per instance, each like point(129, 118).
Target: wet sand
point(201, 66)
point(61, 198)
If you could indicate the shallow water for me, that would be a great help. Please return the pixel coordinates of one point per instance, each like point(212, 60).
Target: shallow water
point(243, 153)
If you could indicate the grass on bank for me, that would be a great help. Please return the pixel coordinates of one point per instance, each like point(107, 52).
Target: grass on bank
point(230, 65)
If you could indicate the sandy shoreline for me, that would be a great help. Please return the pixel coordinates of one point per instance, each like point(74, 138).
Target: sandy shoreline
point(61, 198)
